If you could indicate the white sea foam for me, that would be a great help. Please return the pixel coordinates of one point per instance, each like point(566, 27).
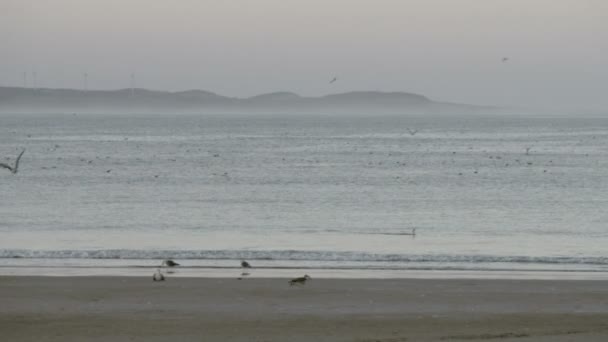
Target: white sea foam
point(291, 255)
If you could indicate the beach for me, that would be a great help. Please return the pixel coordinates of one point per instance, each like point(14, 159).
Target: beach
point(268, 309)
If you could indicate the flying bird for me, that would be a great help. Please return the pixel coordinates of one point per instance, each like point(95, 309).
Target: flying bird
point(14, 168)
point(412, 131)
point(333, 80)
point(505, 59)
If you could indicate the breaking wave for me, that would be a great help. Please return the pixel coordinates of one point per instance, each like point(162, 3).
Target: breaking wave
point(293, 255)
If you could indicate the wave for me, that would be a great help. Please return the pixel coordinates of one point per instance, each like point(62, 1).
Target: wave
point(294, 255)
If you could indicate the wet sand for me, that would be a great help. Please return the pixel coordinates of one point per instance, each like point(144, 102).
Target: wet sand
point(208, 309)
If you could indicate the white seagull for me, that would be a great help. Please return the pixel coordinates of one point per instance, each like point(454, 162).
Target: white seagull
point(158, 276)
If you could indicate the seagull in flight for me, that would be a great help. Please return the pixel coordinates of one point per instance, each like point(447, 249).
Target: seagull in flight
point(333, 80)
point(505, 59)
point(412, 131)
point(14, 168)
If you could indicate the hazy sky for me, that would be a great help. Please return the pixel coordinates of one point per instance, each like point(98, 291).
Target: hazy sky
point(449, 50)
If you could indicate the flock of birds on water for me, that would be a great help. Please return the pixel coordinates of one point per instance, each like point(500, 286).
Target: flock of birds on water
point(168, 263)
point(15, 167)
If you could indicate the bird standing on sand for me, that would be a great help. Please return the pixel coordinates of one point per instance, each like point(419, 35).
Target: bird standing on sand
point(244, 264)
point(158, 276)
point(14, 168)
point(169, 263)
point(299, 280)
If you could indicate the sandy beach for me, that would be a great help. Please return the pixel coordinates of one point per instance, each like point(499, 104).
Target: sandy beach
point(203, 309)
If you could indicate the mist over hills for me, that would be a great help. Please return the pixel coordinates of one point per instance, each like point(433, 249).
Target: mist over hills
point(138, 100)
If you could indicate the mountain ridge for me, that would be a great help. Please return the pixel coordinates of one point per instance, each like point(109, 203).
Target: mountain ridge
point(127, 100)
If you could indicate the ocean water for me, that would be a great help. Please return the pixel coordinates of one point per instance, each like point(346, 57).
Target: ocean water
point(335, 195)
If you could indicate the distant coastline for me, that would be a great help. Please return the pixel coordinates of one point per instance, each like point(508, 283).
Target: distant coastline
point(139, 100)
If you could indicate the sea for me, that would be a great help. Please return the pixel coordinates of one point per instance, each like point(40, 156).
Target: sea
point(345, 196)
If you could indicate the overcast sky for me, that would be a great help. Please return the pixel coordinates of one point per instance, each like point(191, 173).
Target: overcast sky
point(449, 50)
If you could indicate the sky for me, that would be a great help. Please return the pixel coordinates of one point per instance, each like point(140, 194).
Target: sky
point(448, 50)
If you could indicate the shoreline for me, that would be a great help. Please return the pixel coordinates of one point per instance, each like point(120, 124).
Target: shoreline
point(319, 273)
point(268, 309)
point(214, 272)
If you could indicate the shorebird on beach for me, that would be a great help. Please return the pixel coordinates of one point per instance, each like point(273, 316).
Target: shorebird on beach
point(158, 276)
point(299, 280)
point(169, 263)
point(244, 264)
point(15, 167)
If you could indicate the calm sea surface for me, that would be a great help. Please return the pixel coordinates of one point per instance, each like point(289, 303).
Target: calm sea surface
point(333, 194)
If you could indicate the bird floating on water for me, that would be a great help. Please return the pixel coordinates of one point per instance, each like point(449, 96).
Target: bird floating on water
point(412, 233)
point(158, 276)
point(299, 280)
point(13, 169)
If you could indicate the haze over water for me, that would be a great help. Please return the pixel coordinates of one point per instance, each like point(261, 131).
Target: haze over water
point(305, 191)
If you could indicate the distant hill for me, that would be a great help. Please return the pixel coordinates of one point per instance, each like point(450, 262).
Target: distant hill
point(27, 100)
